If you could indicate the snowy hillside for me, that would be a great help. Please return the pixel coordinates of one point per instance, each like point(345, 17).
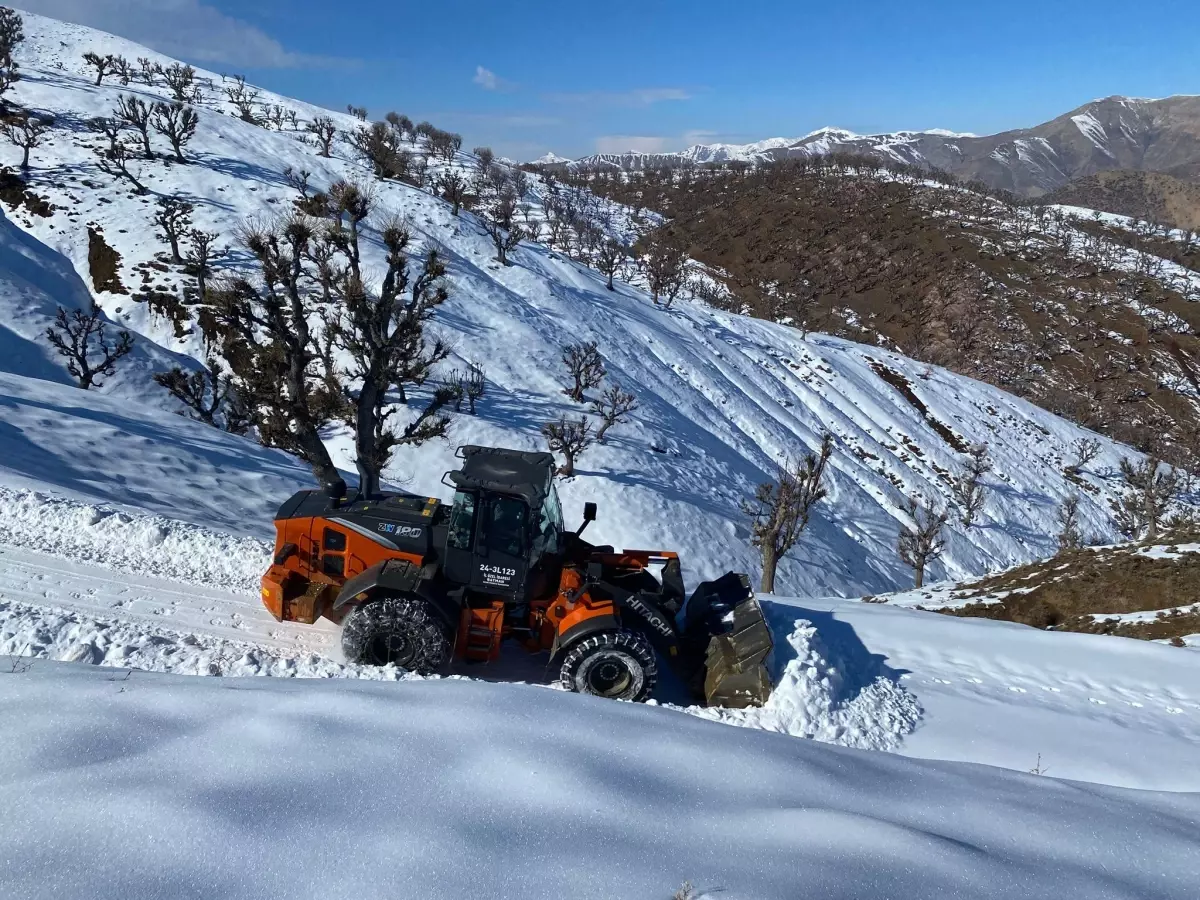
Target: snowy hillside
point(114, 578)
point(723, 398)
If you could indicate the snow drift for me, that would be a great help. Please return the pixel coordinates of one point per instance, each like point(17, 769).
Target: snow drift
point(163, 786)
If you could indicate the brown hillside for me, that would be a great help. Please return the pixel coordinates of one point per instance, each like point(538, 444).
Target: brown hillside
point(1054, 310)
point(1144, 195)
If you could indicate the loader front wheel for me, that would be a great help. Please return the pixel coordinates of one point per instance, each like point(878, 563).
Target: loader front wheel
point(400, 631)
point(616, 664)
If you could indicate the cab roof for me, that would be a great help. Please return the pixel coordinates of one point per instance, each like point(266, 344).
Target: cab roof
point(518, 472)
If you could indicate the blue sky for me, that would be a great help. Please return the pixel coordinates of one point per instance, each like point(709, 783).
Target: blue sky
point(527, 77)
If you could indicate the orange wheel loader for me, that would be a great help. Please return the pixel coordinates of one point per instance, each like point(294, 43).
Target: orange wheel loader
point(416, 583)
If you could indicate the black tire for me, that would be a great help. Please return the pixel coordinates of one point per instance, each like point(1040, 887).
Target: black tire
point(401, 631)
point(616, 664)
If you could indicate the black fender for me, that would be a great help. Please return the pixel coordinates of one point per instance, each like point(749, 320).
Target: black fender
point(565, 639)
point(397, 576)
point(638, 611)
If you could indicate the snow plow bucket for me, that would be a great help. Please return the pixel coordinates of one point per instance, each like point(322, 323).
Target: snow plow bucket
point(725, 616)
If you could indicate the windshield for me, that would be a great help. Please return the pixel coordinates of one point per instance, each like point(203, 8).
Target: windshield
point(550, 525)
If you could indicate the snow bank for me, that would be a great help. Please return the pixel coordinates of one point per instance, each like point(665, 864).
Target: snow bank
point(830, 699)
point(230, 788)
point(68, 636)
point(147, 545)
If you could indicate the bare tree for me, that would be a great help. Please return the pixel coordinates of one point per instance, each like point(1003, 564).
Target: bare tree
point(379, 146)
point(499, 223)
point(1086, 450)
point(12, 33)
point(967, 484)
point(472, 385)
point(264, 330)
point(110, 128)
point(585, 366)
point(383, 334)
point(102, 64)
point(174, 219)
point(484, 157)
point(1150, 489)
point(781, 509)
point(570, 438)
point(243, 99)
point(923, 541)
point(136, 114)
point(148, 70)
point(359, 112)
point(613, 408)
point(199, 259)
point(455, 190)
point(81, 338)
point(114, 161)
point(181, 80)
point(177, 123)
point(209, 396)
point(27, 132)
point(324, 130)
point(611, 255)
point(469, 386)
point(1070, 537)
point(665, 263)
point(123, 70)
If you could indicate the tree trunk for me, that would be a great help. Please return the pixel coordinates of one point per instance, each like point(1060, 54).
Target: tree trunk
point(25, 159)
point(610, 281)
point(315, 454)
point(919, 573)
point(366, 457)
point(770, 562)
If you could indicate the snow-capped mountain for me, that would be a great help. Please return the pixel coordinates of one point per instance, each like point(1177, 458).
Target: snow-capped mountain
point(1109, 134)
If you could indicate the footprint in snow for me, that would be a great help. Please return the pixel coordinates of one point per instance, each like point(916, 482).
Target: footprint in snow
point(1018, 690)
point(1098, 702)
point(1174, 710)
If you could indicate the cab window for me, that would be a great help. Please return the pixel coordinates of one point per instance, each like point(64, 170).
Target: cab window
point(506, 525)
point(462, 522)
point(550, 525)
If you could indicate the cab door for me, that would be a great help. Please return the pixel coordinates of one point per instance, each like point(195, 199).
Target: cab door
point(502, 546)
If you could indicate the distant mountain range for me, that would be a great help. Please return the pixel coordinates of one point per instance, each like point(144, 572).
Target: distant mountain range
point(1116, 133)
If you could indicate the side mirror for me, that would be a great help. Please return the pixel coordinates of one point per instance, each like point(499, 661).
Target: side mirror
point(589, 515)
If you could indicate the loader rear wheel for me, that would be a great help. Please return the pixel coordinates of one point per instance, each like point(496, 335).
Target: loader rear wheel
point(615, 664)
point(400, 631)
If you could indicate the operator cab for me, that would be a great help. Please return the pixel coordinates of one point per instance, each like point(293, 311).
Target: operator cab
point(506, 536)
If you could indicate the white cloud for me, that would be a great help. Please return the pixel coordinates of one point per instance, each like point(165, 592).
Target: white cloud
point(623, 143)
point(486, 78)
point(635, 97)
point(490, 81)
point(189, 29)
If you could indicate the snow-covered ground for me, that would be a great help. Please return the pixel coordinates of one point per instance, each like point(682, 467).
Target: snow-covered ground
point(723, 398)
point(163, 786)
point(131, 541)
point(84, 583)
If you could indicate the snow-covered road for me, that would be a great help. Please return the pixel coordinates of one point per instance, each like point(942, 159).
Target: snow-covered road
point(1093, 708)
